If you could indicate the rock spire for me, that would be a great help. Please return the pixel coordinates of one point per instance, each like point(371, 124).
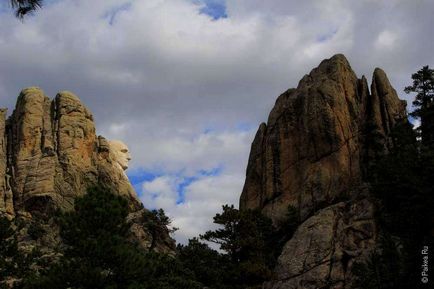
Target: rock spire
point(313, 154)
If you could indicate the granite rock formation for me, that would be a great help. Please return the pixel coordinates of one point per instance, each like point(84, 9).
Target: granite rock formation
point(50, 154)
point(314, 154)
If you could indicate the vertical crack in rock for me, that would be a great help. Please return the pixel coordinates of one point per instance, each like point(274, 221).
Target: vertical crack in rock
point(50, 154)
point(324, 134)
point(6, 196)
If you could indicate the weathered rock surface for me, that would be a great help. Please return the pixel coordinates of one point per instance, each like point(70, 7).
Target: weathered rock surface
point(6, 197)
point(50, 154)
point(313, 154)
point(323, 249)
point(318, 138)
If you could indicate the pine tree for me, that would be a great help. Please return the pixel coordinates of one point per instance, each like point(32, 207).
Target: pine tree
point(8, 250)
point(157, 223)
point(246, 238)
point(100, 255)
point(14, 263)
point(25, 7)
point(423, 86)
point(209, 266)
point(402, 183)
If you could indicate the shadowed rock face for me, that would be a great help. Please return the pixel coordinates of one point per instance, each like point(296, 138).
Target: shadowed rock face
point(6, 197)
point(317, 141)
point(313, 154)
point(50, 154)
point(324, 248)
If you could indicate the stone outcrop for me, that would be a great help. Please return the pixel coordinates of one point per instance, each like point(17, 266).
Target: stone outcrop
point(313, 154)
point(318, 139)
point(324, 248)
point(6, 197)
point(50, 154)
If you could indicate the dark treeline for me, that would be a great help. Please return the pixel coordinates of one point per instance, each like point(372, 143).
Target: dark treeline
point(98, 252)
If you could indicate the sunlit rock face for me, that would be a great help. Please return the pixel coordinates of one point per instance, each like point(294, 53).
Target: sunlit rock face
point(313, 154)
point(120, 153)
point(319, 139)
point(50, 154)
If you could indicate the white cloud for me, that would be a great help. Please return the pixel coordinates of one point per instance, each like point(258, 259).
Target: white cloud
point(160, 192)
point(202, 199)
point(386, 40)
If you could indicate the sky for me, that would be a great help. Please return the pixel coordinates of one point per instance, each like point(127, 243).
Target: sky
point(186, 83)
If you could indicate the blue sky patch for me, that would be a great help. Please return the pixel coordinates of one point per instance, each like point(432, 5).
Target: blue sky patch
point(414, 121)
point(327, 36)
point(138, 176)
point(211, 173)
point(181, 188)
point(189, 180)
point(208, 130)
point(245, 127)
point(214, 8)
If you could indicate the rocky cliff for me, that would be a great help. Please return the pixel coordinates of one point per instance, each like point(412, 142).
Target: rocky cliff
point(313, 154)
point(50, 154)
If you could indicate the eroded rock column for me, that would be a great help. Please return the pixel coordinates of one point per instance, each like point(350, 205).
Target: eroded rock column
point(6, 195)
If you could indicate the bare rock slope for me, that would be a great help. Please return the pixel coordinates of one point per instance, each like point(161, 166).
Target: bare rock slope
point(50, 154)
point(313, 154)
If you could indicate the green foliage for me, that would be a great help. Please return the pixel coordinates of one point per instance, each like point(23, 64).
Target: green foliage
point(402, 182)
point(8, 249)
point(97, 224)
point(99, 254)
point(208, 266)
point(396, 181)
point(13, 262)
point(381, 270)
point(157, 223)
point(423, 86)
point(243, 234)
point(142, 271)
point(35, 230)
point(250, 244)
point(167, 272)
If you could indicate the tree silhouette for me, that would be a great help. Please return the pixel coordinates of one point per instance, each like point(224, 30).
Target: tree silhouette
point(99, 254)
point(25, 7)
point(423, 86)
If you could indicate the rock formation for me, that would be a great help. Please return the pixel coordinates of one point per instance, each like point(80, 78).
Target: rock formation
point(313, 154)
point(50, 154)
point(6, 197)
point(120, 153)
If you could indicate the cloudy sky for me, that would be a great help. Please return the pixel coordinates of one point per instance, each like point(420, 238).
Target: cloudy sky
point(185, 83)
